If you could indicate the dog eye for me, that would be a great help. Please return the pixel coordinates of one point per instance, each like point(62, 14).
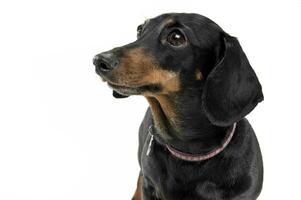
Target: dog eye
point(139, 30)
point(176, 38)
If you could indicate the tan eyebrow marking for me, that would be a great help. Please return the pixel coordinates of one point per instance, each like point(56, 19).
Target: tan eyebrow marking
point(169, 22)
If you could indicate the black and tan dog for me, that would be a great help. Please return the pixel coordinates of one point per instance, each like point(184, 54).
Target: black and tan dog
point(194, 142)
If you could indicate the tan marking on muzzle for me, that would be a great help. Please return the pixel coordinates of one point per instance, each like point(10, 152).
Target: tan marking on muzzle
point(134, 65)
point(169, 81)
point(138, 68)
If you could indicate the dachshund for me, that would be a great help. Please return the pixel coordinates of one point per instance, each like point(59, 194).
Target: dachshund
point(194, 141)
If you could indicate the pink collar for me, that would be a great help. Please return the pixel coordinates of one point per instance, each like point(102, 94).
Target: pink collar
point(199, 157)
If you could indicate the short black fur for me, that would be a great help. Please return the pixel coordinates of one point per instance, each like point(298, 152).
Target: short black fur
point(205, 108)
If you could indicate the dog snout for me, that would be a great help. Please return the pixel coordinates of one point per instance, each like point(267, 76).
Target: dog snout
point(105, 62)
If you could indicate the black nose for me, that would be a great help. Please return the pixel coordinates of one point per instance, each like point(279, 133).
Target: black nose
point(105, 62)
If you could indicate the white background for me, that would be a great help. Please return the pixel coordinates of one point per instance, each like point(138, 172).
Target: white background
point(63, 135)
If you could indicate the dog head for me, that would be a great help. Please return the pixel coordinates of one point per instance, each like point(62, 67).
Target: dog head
point(175, 52)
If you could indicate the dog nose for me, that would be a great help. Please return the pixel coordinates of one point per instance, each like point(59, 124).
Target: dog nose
point(105, 62)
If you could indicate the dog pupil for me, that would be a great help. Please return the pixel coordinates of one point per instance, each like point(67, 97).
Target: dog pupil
point(175, 38)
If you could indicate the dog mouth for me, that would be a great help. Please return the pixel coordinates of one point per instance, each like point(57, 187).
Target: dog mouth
point(134, 90)
point(120, 88)
point(131, 90)
point(125, 90)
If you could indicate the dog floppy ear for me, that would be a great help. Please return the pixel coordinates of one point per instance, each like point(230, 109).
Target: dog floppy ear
point(232, 89)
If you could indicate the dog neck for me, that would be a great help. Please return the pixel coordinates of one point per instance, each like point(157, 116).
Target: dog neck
point(181, 121)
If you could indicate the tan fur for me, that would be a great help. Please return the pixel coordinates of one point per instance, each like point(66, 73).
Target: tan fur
point(134, 65)
point(138, 192)
point(138, 68)
point(167, 107)
point(164, 113)
point(169, 22)
point(168, 80)
point(198, 75)
point(156, 112)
